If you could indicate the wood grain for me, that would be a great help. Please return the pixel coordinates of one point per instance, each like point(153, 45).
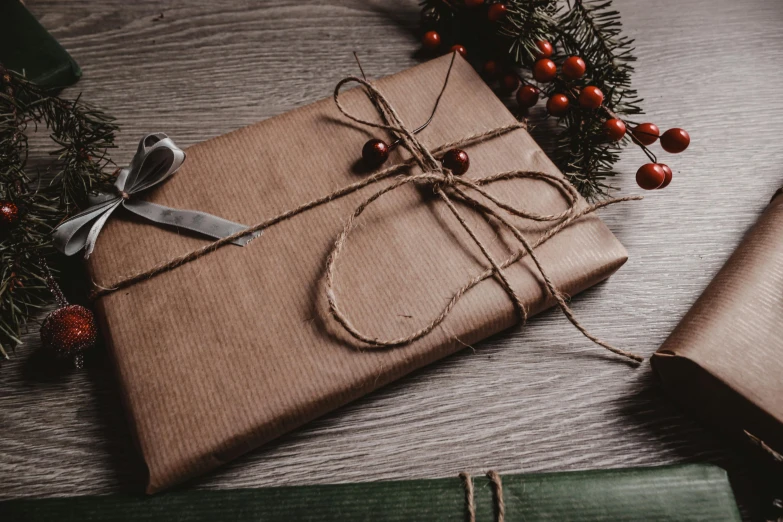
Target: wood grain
point(538, 398)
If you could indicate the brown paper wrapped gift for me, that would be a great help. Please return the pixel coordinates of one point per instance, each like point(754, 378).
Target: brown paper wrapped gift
point(725, 359)
point(227, 352)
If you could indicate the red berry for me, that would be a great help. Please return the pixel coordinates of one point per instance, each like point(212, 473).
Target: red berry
point(496, 12)
point(527, 96)
point(491, 69)
point(9, 216)
point(459, 49)
point(615, 129)
point(474, 3)
point(545, 49)
point(544, 70)
point(457, 161)
point(431, 40)
point(591, 97)
point(574, 68)
point(510, 82)
point(646, 133)
point(675, 140)
point(650, 176)
point(668, 172)
point(557, 104)
point(375, 152)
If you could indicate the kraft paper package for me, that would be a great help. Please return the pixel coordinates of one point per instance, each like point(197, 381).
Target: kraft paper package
point(234, 349)
point(724, 361)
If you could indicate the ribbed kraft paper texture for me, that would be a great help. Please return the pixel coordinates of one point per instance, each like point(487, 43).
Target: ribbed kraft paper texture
point(731, 340)
point(227, 352)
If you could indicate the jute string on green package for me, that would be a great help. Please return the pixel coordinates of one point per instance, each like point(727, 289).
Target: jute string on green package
point(450, 189)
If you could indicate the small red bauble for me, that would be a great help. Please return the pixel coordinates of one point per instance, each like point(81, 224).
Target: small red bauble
point(544, 70)
point(490, 69)
point(510, 82)
point(574, 68)
point(545, 49)
point(591, 97)
point(614, 129)
point(431, 40)
point(459, 49)
point(650, 176)
point(375, 152)
point(557, 104)
point(675, 140)
point(457, 161)
point(496, 12)
point(527, 96)
point(9, 215)
point(474, 3)
point(646, 133)
point(668, 172)
point(69, 331)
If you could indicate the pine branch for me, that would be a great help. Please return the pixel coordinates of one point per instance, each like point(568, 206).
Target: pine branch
point(80, 136)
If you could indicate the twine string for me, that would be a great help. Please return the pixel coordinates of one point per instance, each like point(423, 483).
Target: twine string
point(496, 483)
point(448, 188)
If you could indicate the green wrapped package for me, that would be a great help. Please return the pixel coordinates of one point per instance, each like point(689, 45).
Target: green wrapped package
point(27, 48)
point(674, 493)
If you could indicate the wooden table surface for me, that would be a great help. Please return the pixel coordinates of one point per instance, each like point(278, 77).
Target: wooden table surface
point(527, 400)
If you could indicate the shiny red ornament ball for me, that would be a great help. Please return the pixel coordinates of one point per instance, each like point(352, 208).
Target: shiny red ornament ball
point(574, 68)
point(557, 104)
point(459, 49)
point(474, 3)
point(545, 49)
point(496, 12)
point(510, 82)
point(431, 40)
point(375, 152)
point(527, 96)
point(544, 70)
point(646, 133)
point(9, 215)
point(614, 129)
point(668, 173)
point(457, 161)
point(675, 140)
point(591, 97)
point(69, 331)
point(650, 176)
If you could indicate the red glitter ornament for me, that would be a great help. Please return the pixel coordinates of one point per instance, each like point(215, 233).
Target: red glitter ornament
point(9, 215)
point(68, 332)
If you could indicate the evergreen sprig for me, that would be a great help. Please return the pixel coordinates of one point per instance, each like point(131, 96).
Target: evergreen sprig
point(590, 29)
point(80, 136)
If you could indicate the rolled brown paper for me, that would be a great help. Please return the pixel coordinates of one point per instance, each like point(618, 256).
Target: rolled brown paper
point(724, 360)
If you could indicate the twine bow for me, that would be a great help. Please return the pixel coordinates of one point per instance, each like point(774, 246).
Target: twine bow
point(155, 161)
point(449, 188)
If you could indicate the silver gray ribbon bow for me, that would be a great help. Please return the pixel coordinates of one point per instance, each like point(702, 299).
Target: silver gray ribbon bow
point(155, 161)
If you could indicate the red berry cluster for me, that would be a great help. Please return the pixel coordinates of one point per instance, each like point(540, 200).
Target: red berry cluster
point(658, 175)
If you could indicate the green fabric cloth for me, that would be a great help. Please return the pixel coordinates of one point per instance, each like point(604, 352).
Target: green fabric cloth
point(674, 493)
point(26, 47)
